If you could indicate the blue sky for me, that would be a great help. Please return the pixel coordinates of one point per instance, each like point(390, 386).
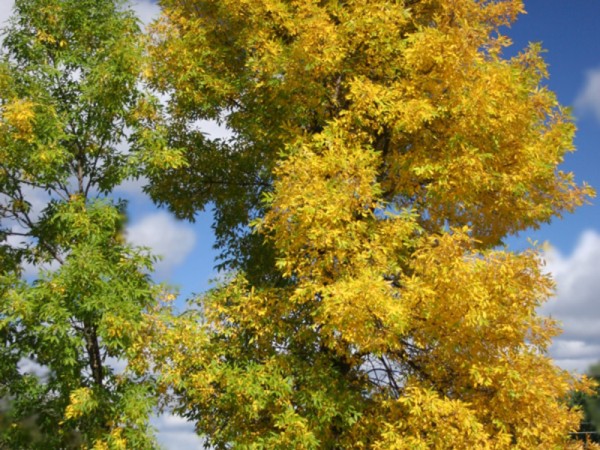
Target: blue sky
point(570, 31)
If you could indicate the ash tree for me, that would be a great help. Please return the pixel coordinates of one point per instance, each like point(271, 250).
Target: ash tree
point(74, 124)
point(380, 153)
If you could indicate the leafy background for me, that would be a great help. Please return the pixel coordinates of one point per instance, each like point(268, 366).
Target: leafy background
point(568, 31)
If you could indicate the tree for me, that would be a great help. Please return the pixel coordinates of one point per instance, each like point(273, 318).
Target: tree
point(394, 148)
point(74, 125)
point(590, 405)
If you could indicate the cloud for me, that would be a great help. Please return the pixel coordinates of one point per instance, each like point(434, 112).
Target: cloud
point(167, 237)
point(132, 188)
point(577, 303)
point(176, 433)
point(588, 99)
point(29, 366)
point(32, 271)
point(37, 198)
point(213, 130)
point(6, 7)
point(146, 10)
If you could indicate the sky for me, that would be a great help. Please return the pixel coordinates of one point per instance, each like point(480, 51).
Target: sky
point(568, 30)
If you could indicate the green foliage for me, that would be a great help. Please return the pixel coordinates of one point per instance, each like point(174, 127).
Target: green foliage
point(590, 405)
point(74, 124)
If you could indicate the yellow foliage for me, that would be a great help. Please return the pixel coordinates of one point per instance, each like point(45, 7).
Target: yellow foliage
point(19, 115)
point(101, 445)
point(80, 403)
point(404, 148)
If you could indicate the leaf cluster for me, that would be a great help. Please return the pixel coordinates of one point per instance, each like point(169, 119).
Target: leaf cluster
point(394, 147)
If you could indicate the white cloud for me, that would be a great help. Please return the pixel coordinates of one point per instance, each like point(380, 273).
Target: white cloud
point(38, 199)
point(29, 366)
point(577, 303)
point(588, 99)
point(32, 271)
point(176, 433)
point(213, 130)
point(118, 365)
point(6, 7)
point(132, 188)
point(147, 10)
point(167, 237)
